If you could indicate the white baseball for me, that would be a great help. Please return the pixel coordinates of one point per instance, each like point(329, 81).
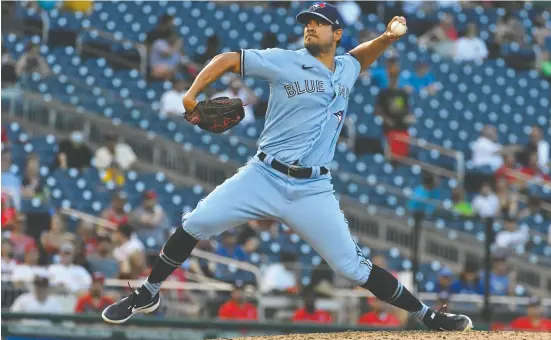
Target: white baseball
point(398, 28)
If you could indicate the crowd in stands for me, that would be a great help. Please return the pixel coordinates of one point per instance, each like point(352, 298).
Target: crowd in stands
point(47, 257)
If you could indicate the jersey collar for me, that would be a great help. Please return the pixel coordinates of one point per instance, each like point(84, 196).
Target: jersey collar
point(330, 73)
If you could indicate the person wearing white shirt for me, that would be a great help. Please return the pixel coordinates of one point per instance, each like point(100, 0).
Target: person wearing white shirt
point(238, 90)
point(114, 154)
point(486, 150)
point(24, 274)
point(279, 276)
point(37, 301)
point(130, 252)
point(67, 275)
point(171, 100)
point(511, 236)
point(470, 47)
point(486, 204)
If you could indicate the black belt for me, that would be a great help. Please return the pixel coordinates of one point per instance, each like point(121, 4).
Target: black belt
point(292, 171)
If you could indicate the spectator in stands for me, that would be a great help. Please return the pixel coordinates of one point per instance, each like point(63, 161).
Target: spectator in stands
point(470, 47)
point(150, 220)
point(165, 29)
point(532, 170)
point(73, 152)
point(441, 37)
point(508, 169)
point(19, 237)
point(323, 279)
point(424, 192)
point(38, 300)
point(540, 30)
point(24, 273)
point(269, 40)
point(86, 232)
point(380, 76)
point(308, 313)
point(501, 278)
point(534, 321)
point(468, 281)
point(420, 80)
point(486, 204)
point(229, 247)
point(52, 239)
point(511, 236)
point(508, 198)
point(32, 186)
point(379, 315)
point(8, 261)
point(165, 57)
point(445, 280)
point(114, 158)
point(103, 260)
point(9, 75)
point(443, 300)
point(95, 301)
point(280, 277)
point(460, 205)
point(32, 62)
point(237, 89)
point(67, 275)
point(129, 252)
point(508, 30)
point(8, 212)
point(486, 149)
point(392, 104)
point(213, 47)
point(538, 145)
point(237, 308)
point(171, 100)
point(11, 184)
point(532, 208)
point(115, 213)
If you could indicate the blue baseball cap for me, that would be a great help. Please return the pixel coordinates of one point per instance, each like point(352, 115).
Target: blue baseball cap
point(446, 272)
point(323, 10)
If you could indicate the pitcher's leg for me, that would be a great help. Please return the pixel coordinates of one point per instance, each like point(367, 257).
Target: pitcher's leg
point(250, 194)
point(319, 220)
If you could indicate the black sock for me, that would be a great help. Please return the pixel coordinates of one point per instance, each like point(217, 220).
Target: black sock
point(176, 250)
point(388, 289)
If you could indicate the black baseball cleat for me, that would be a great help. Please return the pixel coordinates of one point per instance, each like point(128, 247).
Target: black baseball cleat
point(140, 301)
point(442, 321)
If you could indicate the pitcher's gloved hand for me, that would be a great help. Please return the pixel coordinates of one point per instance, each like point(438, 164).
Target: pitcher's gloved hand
point(217, 115)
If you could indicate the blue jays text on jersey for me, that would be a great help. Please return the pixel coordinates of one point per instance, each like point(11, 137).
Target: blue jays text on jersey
point(301, 120)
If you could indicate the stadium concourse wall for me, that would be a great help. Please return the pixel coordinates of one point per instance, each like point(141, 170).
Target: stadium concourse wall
point(380, 229)
point(93, 327)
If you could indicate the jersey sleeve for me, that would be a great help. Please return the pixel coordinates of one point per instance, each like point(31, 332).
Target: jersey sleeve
point(262, 64)
point(353, 64)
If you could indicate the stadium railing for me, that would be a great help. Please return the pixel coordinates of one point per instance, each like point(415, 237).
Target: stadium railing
point(380, 227)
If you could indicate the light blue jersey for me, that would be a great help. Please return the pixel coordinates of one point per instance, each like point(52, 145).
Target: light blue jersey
point(307, 104)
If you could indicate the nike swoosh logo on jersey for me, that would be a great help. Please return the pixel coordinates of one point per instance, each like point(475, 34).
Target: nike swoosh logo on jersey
point(304, 67)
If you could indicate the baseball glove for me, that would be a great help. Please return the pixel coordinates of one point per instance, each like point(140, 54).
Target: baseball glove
point(217, 115)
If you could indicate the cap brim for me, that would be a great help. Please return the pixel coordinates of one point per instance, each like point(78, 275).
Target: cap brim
point(303, 17)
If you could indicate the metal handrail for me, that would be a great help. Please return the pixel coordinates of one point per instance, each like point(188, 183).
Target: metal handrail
point(141, 48)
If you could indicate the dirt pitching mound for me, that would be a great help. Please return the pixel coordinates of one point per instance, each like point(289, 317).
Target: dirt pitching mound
point(413, 335)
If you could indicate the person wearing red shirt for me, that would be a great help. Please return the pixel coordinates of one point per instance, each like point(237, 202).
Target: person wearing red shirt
point(238, 308)
point(533, 170)
point(533, 321)
point(95, 301)
point(379, 315)
point(508, 169)
point(115, 213)
point(309, 314)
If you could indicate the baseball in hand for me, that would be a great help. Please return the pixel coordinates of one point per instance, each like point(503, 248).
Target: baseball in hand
point(398, 28)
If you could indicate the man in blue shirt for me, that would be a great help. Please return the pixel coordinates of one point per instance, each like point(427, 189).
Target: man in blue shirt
point(289, 180)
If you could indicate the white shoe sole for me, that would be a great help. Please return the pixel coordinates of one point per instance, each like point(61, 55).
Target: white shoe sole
point(143, 311)
point(470, 325)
